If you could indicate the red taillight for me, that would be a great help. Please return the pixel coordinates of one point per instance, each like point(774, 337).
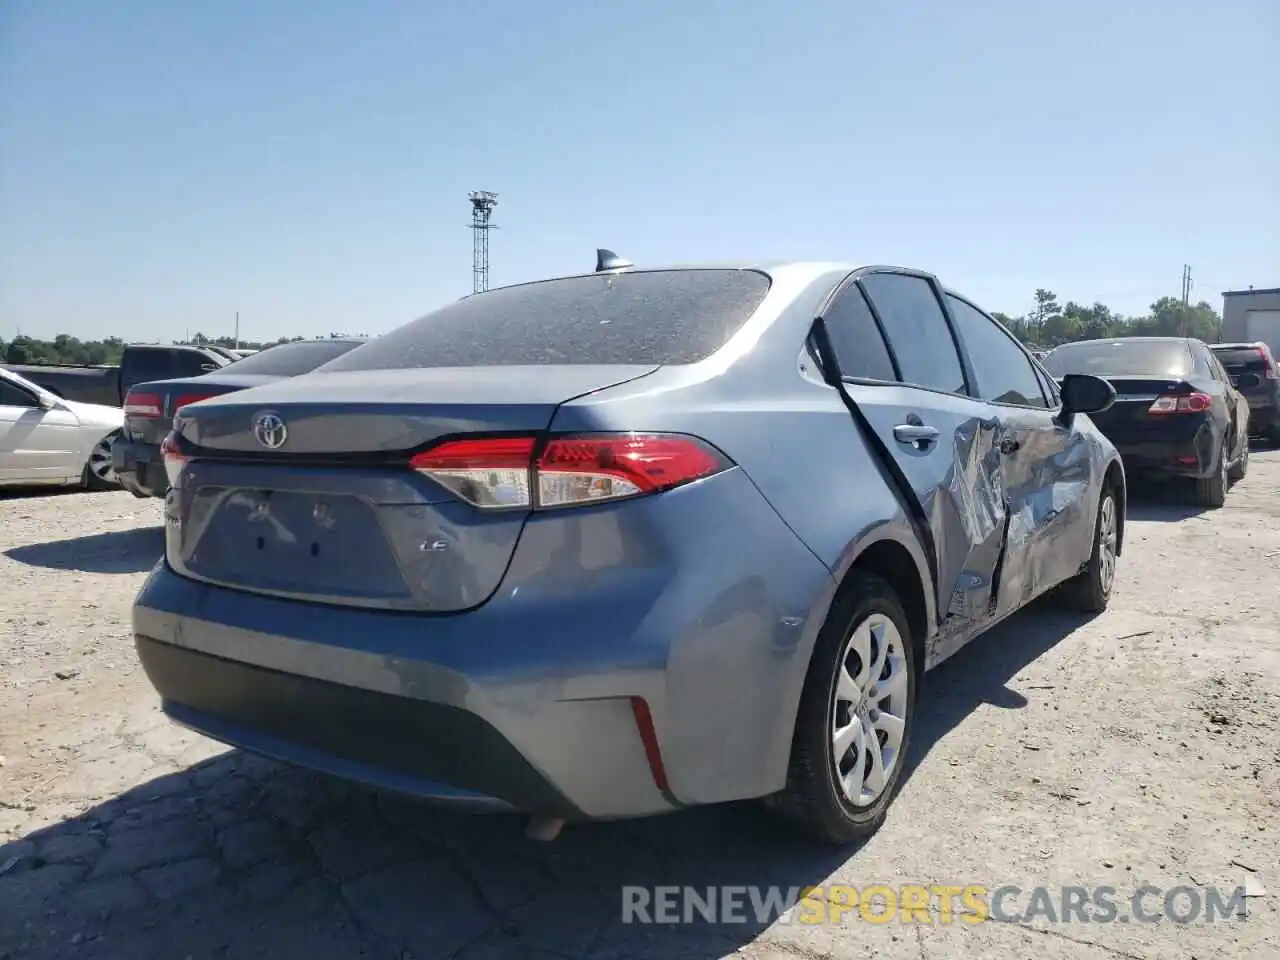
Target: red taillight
point(489, 472)
point(187, 398)
point(138, 404)
point(1181, 403)
point(571, 470)
point(1268, 367)
point(174, 459)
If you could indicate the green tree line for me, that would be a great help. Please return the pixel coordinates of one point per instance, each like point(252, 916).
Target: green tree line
point(68, 349)
point(1048, 324)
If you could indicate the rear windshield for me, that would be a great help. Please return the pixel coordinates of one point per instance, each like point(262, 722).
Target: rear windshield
point(292, 359)
point(1120, 358)
point(1241, 358)
point(646, 317)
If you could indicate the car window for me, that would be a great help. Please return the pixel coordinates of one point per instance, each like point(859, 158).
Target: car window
point(1241, 359)
point(1122, 358)
point(856, 339)
point(640, 317)
point(1215, 368)
point(151, 364)
point(1222, 373)
point(11, 395)
point(189, 363)
point(1049, 387)
point(1004, 372)
point(917, 330)
point(293, 359)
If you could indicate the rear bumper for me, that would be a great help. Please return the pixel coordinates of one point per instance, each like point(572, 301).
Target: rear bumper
point(139, 467)
point(398, 743)
point(599, 682)
point(1195, 458)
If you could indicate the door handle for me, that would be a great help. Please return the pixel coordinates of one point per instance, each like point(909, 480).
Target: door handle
point(915, 435)
point(1009, 445)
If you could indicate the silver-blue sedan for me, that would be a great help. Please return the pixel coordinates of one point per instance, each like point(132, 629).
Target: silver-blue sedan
point(620, 543)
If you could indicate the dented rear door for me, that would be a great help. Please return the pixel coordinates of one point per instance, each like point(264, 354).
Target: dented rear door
point(946, 448)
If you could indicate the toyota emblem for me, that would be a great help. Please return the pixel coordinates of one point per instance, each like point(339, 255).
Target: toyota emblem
point(270, 431)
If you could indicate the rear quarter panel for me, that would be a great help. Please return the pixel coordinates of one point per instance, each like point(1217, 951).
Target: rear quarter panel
point(760, 403)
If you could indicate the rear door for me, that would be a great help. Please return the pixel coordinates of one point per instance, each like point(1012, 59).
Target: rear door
point(1047, 481)
point(942, 441)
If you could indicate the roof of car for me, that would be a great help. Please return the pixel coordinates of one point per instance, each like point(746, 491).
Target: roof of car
point(813, 268)
point(1252, 345)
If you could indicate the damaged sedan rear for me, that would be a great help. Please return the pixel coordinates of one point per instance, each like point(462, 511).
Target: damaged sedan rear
point(621, 543)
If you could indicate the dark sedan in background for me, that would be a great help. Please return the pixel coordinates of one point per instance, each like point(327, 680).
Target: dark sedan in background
point(1253, 372)
point(1176, 413)
point(149, 407)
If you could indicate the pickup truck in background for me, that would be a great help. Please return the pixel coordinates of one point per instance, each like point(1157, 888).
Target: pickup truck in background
point(140, 363)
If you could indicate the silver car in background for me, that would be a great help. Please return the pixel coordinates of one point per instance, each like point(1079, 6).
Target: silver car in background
point(46, 440)
point(616, 544)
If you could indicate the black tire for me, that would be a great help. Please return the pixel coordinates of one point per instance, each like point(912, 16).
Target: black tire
point(1212, 492)
point(1090, 590)
point(92, 481)
point(1241, 467)
point(812, 800)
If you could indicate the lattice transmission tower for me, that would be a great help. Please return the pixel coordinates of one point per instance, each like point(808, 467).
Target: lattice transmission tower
point(482, 204)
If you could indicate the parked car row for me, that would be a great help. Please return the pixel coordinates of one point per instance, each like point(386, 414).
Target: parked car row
point(616, 544)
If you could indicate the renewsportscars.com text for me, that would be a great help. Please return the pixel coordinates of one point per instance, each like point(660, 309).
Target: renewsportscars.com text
point(930, 904)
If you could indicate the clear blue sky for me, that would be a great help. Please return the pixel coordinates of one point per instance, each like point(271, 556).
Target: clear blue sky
point(307, 162)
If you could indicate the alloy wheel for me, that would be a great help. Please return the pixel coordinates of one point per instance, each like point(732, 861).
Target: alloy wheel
point(1108, 541)
point(869, 715)
point(100, 461)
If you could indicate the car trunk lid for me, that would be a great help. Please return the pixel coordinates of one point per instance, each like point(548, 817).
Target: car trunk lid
point(1130, 417)
point(323, 505)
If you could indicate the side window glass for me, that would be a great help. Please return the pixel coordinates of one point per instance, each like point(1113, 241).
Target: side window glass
point(14, 396)
point(1005, 373)
point(917, 330)
point(188, 363)
point(1049, 388)
point(856, 339)
point(151, 364)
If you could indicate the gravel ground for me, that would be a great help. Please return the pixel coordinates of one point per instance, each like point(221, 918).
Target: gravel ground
point(1137, 748)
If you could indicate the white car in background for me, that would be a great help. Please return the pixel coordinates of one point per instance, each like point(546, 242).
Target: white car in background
point(45, 439)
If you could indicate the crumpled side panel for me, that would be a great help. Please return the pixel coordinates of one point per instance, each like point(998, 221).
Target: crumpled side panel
point(1050, 523)
point(971, 509)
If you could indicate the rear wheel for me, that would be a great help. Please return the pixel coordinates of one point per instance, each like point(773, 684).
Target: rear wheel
point(99, 473)
point(854, 724)
point(1212, 492)
point(1090, 590)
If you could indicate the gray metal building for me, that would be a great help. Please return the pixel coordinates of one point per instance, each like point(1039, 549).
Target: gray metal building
point(1249, 315)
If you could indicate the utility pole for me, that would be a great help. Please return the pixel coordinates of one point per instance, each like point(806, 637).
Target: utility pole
point(237, 329)
point(1186, 299)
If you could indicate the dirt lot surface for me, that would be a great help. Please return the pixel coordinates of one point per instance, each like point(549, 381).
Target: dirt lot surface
point(1139, 748)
